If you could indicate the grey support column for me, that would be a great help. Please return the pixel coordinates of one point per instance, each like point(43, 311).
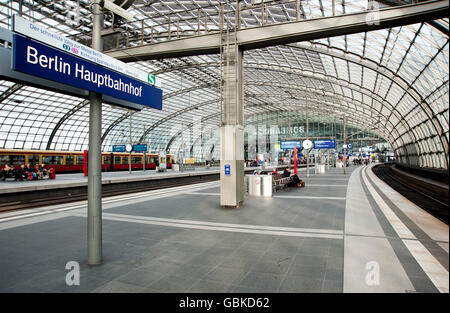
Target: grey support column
point(307, 138)
point(232, 129)
point(94, 222)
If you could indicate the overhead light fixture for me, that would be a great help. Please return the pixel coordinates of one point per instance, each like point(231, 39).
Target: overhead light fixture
point(109, 5)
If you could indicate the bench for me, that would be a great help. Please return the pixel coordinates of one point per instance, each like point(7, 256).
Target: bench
point(280, 181)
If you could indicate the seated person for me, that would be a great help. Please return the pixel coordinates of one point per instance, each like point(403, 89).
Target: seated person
point(38, 172)
point(28, 168)
point(43, 170)
point(31, 170)
point(287, 171)
point(21, 174)
point(295, 181)
point(7, 170)
point(274, 172)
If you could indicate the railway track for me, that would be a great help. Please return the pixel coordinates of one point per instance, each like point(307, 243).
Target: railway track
point(52, 200)
point(432, 198)
point(68, 197)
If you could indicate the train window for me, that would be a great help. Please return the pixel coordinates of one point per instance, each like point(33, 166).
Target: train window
point(152, 160)
point(80, 159)
point(52, 159)
point(117, 160)
point(106, 160)
point(4, 159)
point(69, 159)
point(124, 160)
point(33, 159)
point(12, 159)
point(136, 160)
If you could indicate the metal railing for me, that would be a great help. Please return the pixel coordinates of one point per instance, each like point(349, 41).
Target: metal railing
point(237, 15)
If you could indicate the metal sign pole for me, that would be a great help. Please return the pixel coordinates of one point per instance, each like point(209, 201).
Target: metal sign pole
point(131, 144)
point(94, 222)
point(144, 153)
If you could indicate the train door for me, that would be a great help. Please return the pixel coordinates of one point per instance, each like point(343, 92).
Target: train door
point(111, 163)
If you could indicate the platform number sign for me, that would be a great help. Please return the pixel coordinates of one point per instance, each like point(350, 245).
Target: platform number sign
point(227, 169)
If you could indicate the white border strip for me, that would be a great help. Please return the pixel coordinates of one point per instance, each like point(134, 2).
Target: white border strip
point(229, 225)
point(252, 229)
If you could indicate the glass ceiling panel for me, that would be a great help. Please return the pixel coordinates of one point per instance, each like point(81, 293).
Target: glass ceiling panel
point(400, 74)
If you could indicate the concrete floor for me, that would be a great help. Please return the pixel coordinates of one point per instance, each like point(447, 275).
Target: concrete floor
point(181, 240)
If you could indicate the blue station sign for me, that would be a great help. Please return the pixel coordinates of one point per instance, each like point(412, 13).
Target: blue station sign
point(118, 148)
point(324, 144)
point(140, 148)
point(33, 58)
point(290, 144)
point(227, 169)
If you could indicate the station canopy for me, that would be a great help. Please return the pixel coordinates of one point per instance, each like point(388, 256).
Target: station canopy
point(392, 83)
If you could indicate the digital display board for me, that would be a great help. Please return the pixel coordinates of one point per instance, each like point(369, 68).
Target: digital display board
point(324, 144)
point(290, 144)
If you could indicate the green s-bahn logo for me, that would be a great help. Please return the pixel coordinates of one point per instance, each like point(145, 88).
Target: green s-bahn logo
point(151, 79)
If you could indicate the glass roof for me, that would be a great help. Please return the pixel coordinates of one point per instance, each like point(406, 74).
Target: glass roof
point(393, 82)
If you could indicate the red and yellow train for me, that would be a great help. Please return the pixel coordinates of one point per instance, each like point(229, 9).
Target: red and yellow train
point(73, 161)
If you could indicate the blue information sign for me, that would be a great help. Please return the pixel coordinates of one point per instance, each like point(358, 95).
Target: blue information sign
point(290, 144)
point(324, 144)
point(33, 58)
point(118, 148)
point(227, 169)
point(140, 148)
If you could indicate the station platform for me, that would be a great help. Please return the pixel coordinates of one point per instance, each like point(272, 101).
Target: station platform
point(73, 187)
point(341, 233)
point(79, 180)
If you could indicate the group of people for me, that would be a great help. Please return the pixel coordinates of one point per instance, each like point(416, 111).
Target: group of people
point(295, 180)
point(27, 172)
